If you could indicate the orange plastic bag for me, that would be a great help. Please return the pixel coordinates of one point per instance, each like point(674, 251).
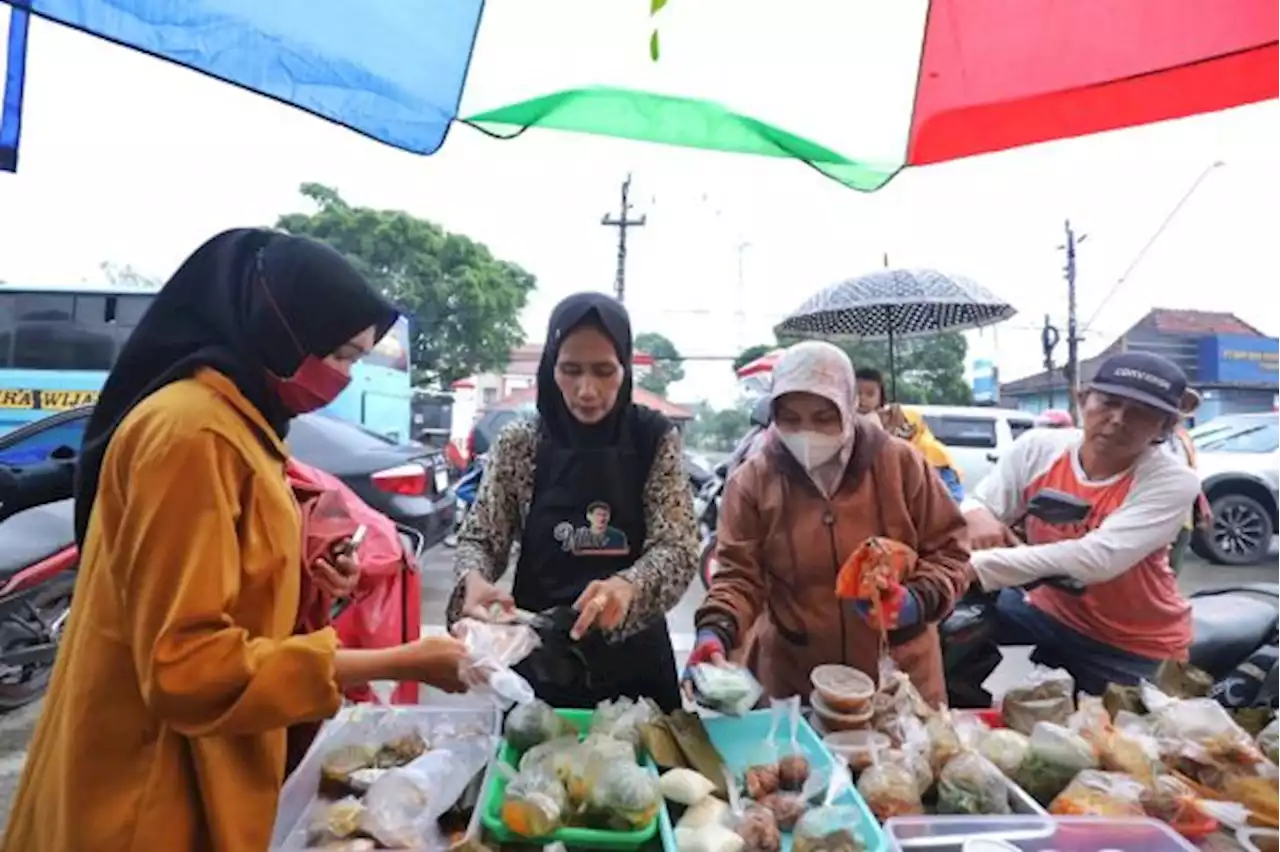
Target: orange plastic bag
point(874, 568)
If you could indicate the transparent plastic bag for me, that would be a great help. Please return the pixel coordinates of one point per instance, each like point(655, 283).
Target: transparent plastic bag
point(754, 824)
point(1044, 695)
point(532, 724)
point(492, 652)
point(761, 777)
point(1006, 748)
point(1268, 741)
point(1201, 730)
point(890, 790)
point(727, 689)
point(583, 765)
point(1054, 756)
point(831, 827)
point(535, 803)
point(1096, 793)
point(331, 822)
point(971, 784)
point(403, 805)
point(625, 795)
point(944, 740)
point(793, 766)
point(622, 719)
point(1118, 750)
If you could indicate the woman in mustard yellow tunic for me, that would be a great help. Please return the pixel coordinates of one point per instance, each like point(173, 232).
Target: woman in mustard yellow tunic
point(164, 725)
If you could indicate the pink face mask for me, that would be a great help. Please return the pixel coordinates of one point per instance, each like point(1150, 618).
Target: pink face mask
point(313, 385)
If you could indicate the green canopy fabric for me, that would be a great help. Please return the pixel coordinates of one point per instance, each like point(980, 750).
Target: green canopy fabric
point(672, 120)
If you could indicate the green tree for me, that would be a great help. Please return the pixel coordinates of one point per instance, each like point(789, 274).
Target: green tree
point(668, 367)
point(464, 303)
point(750, 354)
point(930, 370)
point(719, 430)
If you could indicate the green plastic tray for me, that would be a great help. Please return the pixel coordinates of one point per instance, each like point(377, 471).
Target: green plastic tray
point(582, 838)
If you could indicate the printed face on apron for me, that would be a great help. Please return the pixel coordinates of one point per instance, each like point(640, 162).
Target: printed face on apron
point(597, 538)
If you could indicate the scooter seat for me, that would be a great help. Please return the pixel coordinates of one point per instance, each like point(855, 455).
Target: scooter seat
point(1227, 628)
point(33, 535)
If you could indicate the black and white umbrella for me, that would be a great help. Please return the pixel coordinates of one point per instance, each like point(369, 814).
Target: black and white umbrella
point(892, 305)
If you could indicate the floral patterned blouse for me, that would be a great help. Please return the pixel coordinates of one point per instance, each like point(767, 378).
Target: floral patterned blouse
point(494, 524)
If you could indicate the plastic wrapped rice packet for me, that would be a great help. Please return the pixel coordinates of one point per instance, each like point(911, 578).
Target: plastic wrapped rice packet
point(492, 652)
point(728, 689)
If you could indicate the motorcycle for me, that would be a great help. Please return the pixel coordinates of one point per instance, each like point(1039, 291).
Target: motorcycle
point(38, 560)
point(464, 493)
point(707, 502)
point(1234, 630)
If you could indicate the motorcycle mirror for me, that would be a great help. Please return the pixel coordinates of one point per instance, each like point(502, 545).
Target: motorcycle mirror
point(722, 470)
point(762, 412)
point(1057, 507)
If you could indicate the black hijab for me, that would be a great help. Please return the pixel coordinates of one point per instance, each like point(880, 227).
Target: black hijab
point(215, 312)
point(607, 315)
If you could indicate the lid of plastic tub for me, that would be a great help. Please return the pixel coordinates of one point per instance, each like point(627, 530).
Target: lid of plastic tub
point(987, 844)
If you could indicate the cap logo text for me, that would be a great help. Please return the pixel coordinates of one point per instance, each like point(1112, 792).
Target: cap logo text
point(1142, 376)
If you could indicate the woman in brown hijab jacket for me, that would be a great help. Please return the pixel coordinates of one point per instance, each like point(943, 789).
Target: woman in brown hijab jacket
point(825, 482)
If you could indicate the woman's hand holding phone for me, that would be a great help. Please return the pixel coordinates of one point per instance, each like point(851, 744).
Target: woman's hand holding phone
point(339, 575)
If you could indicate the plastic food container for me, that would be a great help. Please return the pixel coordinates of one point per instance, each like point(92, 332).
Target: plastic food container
point(584, 838)
point(844, 689)
point(834, 721)
point(1033, 833)
point(857, 747)
point(738, 740)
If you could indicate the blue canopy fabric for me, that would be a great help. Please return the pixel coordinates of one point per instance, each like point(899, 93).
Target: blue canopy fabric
point(11, 89)
point(392, 70)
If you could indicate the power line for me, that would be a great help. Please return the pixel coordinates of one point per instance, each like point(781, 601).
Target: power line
point(1115, 288)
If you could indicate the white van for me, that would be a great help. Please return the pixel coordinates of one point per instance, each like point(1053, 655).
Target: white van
point(975, 435)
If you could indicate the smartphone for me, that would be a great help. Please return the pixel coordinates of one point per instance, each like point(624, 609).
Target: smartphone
point(349, 547)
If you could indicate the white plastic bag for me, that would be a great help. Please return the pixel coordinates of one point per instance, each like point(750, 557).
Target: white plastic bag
point(492, 652)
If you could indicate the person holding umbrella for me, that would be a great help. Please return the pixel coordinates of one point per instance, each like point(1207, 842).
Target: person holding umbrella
point(825, 484)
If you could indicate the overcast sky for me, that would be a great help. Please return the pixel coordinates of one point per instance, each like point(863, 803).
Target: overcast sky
point(130, 160)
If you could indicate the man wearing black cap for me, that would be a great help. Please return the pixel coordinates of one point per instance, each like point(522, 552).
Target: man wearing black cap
point(1131, 616)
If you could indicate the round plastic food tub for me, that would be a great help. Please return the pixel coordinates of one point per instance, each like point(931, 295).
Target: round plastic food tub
point(844, 689)
point(833, 721)
point(858, 748)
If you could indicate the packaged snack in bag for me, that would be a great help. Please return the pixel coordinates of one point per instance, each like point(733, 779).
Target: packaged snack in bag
point(592, 756)
point(1054, 756)
point(944, 739)
point(728, 689)
point(762, 777)
point(1118, 749)
point(331, 822)
point(1201, 730)
point(535, 803)
point(831, 827)
point(971, 784)
point(890, 789)
point(1006, 748)
point(625, 795)
point(1045, 695)
point(532, 724)
point(793, 766)
point(492, 651)
point(553, 755)
point(623, 719)
point(706, 812)
point(1268, 741)
point(712, 837)
point(1096, 793)
point(753, 823)
point(685, 786)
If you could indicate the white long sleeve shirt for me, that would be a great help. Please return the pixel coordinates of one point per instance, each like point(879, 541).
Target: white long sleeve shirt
point(1144, 509)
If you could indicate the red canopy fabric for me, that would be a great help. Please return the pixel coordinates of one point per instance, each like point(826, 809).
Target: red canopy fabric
point(996, 74)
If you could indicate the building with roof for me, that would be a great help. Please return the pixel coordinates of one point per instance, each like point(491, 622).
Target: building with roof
point(1233, 365)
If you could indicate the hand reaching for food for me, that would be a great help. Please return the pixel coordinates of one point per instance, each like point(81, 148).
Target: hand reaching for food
point(873, 576)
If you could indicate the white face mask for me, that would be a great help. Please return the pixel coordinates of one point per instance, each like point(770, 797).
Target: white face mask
point(812, 449)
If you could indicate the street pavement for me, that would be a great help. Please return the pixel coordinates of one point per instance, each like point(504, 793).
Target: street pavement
point(437, 581)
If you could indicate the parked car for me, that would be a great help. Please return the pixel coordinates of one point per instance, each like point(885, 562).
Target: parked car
point(406, 482)
point(1238, 459)
point(975, 435)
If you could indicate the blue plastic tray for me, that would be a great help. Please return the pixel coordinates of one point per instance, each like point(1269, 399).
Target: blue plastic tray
point(739, 741)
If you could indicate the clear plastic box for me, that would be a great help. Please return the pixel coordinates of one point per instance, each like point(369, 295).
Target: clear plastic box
point(1034, 834)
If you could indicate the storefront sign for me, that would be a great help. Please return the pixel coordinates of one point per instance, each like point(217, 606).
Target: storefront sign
point(46, 400)
point(1238, 359)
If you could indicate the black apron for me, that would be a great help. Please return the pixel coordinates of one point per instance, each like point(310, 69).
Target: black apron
point(586, 522)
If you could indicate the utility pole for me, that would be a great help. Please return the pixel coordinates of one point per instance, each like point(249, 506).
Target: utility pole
point(1073, 337)
point(622, 222)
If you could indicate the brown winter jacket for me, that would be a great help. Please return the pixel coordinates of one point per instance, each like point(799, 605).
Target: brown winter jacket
point(781, 545)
